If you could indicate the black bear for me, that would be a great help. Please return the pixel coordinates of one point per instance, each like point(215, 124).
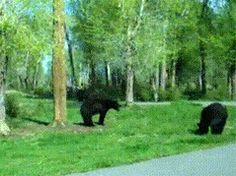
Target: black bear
point(92, 106)
point(215, 116)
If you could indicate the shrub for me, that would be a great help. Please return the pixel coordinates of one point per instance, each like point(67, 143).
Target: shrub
point(142, 92)
point(217, 94)
point(43, 92)
point(12, 101)
point(191, 91)
point(170, 94)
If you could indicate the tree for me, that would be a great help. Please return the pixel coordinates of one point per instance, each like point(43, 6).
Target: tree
point(133, 25)
point(4, 129)
point(58, 67)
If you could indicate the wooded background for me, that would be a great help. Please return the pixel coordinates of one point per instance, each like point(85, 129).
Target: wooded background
point(156, 50)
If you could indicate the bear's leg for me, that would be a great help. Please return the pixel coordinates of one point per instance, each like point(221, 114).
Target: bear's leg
point(203, 127)
point(218, 128)
point(88, 121)
point(101, 118)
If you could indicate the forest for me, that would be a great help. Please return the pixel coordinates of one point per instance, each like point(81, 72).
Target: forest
point(154, 57)
point(135, 50)
point(144, 50)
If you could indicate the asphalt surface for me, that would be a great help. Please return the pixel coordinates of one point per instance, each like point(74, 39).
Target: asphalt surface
point(203, 103)
point(219, 161)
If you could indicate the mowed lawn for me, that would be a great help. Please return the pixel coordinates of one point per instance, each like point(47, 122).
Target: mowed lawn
point(133, 134)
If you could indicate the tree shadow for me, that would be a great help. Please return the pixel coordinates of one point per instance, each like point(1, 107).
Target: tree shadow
point(36, 121)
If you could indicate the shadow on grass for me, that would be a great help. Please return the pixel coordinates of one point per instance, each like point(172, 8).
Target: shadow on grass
point(37, 121)
point(82, 124)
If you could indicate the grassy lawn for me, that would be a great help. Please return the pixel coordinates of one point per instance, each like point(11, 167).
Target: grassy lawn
point(130, 135)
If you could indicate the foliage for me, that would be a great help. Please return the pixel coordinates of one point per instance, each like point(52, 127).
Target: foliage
point(170, 94)
point(43, 92)
point(13, 103)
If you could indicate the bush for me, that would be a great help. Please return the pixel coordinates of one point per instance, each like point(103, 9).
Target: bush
point(43, 92)
point(143, 92)
point(191, 91)
point(170, 94)
point(12, 101)
point(217, 94)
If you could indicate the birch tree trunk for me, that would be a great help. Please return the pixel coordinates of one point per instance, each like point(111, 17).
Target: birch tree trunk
point(108, 74)
point(202, 69)
point(92, 76)
point(163, 75)
point(173, 74)
point(71, 57)
point(59, 72)
point(4, 129)
point(129, 85)
point(131, 35)
point(234, 85)
point(202, 76)
point(232, 81)
point(155, 84)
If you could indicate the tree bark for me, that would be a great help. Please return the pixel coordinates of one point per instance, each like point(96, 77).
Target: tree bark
point(4, 129)
point(202, 74)
point(71, 57)
point(173, 74)
point(232, 81)
point(92, 76)
point(202, 71)
point(58, 67)
point(129, 85)
point(155, 84)
point(163, 75)
point(108, 74)
point(80, 79)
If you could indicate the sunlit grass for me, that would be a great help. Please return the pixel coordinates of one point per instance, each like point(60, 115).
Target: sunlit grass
point(133, 134)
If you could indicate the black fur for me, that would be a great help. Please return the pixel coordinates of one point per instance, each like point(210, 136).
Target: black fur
point(94, 106)
point(215, 116)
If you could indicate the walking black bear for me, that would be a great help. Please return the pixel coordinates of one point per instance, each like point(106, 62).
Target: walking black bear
point(92, 106)
point(215, 116)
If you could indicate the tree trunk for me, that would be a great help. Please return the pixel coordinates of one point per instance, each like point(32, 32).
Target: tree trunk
point(232, 81)
point(202, 76)
point(229, 84)
point(108, 74)
point(35, 78)
point(58, 67)
point(132, 30)
point(92, 76)
point(80, 79)
point(163, 75)
point(155, 84)
point(173, 74)
point(129, 85)
point(71, 57)
point(4, 129)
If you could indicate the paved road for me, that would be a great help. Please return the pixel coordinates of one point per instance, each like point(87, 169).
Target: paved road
point(203, 103)
point(219, 161)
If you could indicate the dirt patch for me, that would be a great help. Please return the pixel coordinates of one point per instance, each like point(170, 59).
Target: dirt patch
point(32, 129)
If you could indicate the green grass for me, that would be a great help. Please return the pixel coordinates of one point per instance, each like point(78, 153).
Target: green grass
point(135, 133)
